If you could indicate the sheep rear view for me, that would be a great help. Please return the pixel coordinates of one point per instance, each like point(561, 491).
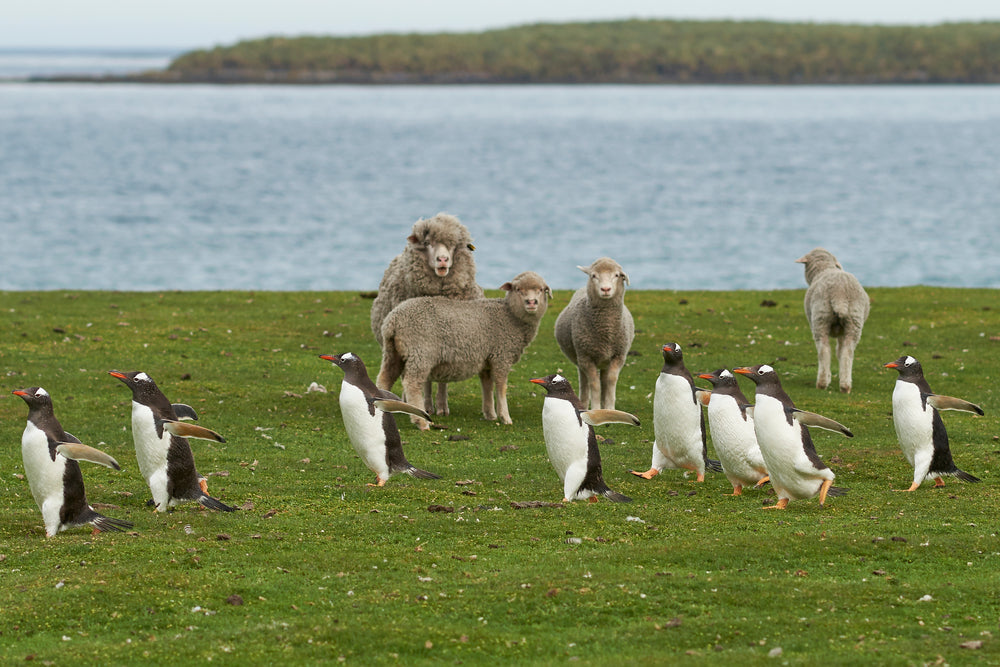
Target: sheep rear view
point(437, 261)
point(447, 340)
point(836, 306)
point(595, 331)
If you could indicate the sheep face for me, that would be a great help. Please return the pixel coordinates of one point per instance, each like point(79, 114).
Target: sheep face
point(607, 278)
point(528, 292)
point(436, 239)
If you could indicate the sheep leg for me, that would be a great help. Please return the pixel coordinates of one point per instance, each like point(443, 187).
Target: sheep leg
point(428, 397)
point(609, 383)
point(590, 384)
point(413, 386)
point(823, 363)
point(500, 383)
point(486, 382)
point(442, 399)
point(845, 360)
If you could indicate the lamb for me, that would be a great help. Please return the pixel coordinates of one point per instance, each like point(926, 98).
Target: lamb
point(437, 261)
point(596, 331)
point(445, 340)
point(836, 306)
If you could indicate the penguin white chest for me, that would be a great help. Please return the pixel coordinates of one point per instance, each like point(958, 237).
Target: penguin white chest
point(566, 437)
point(734, 438)
point(912, 420)
point(364, 429)
point(45, 476)
point(150, 447)
point(676, 415)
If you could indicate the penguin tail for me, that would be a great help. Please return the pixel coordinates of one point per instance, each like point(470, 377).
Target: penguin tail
point(107, 524)
point(836, 491)
point(214, 504)
point(713, 465)
point(413, 471)
point(616, 497)
point(966, 477)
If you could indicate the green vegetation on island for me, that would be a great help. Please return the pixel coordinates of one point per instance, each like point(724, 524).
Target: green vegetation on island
point(317, 567)
point(633, 51)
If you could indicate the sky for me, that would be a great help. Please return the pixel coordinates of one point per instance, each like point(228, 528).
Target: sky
point(186, 24)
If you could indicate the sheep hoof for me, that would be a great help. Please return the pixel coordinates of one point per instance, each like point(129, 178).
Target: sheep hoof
point(845, 390)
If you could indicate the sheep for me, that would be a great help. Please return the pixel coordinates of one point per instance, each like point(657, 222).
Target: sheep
point(446, 340)
point(836, 306)
point(596, 331)
point(437, 261)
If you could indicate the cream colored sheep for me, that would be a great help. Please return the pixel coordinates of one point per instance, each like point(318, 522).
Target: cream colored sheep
point(836, 306)
point(445, 340)
point(596, 331)
point(437, 261)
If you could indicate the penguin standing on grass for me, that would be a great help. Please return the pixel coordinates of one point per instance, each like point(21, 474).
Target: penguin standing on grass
point(367, 413)
point(919, 428)
point(568, 428)
point(50, 457)
point(678, 422)
point(731, 424)
point(161, 445)
point(796, 470)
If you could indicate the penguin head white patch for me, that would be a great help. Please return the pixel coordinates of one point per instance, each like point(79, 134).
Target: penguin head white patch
point(347, 356)
point(909, 361)
point(725, 374)
point(40, 392)
point(142, 377)
point(677, 347)
point(764, 370)
point(558, 378)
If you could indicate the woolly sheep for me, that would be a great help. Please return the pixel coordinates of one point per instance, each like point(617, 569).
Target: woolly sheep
point(446, 340)
point(437, 261)
point(596, 331)
point(836, 306)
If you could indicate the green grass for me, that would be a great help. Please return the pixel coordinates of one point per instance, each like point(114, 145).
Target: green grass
point(328, 568)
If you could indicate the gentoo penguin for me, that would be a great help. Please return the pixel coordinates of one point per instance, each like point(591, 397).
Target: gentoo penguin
point(161, 445)
point(795, 468)
point(568, 428)
point(919, 427)
point(50, 463)
point(367, 413)
point(731, 424)
point(678, 422)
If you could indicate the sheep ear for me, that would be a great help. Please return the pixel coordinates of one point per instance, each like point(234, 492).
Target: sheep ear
point(507, 287)
point(548, 292)
point(625, 276)
point(412, 238)
point(802, 260)
point(585, 269)
point(470, 246)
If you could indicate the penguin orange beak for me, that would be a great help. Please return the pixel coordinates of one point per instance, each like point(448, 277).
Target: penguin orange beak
point(117, 374)
point(706, 376)
point(19, 392)
point(891, 364)
point(743, 370)
point(329, 357)
point(538, 380)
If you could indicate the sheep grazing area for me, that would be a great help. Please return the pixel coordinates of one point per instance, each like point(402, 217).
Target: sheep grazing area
point(486, 565)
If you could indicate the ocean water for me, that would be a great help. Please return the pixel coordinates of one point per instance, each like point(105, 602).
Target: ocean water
point(200, 187)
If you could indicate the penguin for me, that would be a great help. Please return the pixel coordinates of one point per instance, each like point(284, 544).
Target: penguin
point(678, 422)
point(568, 428)
point(796, 470)
point(367, 413)
point(919, 428)
point(161, 445)
point(731, 424)
point(50, 457)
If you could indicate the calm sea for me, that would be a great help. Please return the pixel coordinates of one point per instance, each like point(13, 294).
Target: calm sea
point(148, 187)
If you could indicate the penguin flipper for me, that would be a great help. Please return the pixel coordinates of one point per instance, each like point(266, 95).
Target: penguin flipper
point(71, 438)
point(939, 402)
point(390, 405)
point(211, 503)
point(80, 452)
point(184, 411)
point(819, 421)
point(598, 417)
point(185, 430)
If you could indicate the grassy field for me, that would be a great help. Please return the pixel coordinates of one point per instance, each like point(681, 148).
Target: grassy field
point(317, 566)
